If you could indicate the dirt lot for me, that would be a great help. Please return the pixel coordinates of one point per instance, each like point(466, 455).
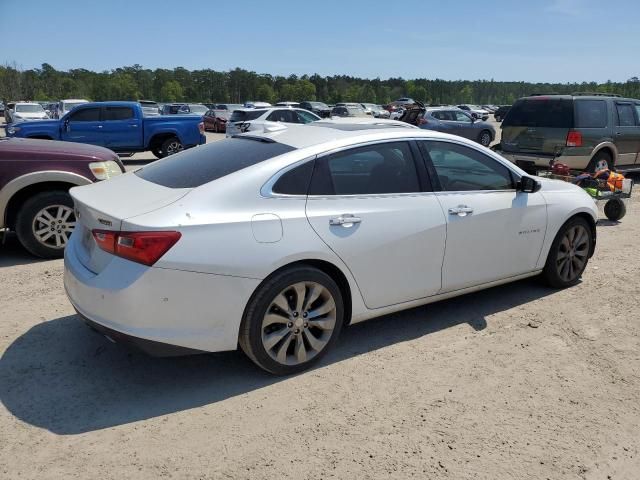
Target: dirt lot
point(517, 382)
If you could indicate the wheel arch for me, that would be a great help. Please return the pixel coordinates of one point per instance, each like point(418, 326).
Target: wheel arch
point(606, 147)
point(158, 139)
point(17, 191)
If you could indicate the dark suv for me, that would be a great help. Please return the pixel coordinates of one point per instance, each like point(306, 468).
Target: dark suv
point(35, 178)
point(584, 131)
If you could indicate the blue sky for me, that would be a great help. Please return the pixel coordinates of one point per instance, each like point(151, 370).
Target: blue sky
point(545, 40)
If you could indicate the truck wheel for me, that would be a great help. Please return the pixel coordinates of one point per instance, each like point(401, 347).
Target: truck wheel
point(171, 146)
point(157, 152)
point(615, 209)
point(45, 223)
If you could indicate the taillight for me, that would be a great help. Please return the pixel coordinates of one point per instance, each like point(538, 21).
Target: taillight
point(140, 247)
point(574, 139)
point(201, 128)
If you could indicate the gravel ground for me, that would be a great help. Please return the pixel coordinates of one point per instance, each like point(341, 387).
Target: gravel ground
point(518, 382)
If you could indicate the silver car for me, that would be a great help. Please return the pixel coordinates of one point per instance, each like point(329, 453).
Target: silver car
point(458, 122)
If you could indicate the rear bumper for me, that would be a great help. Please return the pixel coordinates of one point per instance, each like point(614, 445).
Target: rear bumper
point(191, 310)
point(528, 160)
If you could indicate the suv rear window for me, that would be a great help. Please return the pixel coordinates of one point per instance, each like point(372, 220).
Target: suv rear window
point(200, 165)
point(541, 112)
point(591, 113)
point(244, 116)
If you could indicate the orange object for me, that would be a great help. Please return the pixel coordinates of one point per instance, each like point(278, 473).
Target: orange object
point(614, 180)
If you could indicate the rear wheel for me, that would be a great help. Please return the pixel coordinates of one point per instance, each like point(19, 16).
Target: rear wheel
point(45, 223)
point(569, 254)
point(292, 320)
point(171, 146)
point(484, 138)
point(157, 152)
point(600, 161)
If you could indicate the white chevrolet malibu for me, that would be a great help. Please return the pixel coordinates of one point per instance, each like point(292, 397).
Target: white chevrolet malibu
point(275, 240)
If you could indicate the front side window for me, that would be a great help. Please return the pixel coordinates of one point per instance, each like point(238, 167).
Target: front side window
point(85, 115)
point(375, 169)
point(461, 168)
point(286, 116)
point(118, 113)
point(461, 117)
point(625, 115)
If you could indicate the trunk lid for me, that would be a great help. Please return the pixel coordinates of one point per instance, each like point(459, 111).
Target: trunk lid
point(104, 206)
point(538, 125)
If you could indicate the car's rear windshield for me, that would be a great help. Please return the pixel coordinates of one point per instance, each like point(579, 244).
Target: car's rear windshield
point(543, 112)
point(29, 108)
point(245, 116)
point(200, 165)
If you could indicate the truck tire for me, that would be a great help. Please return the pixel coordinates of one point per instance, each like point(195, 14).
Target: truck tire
point(157, 152)
point(598, 162)
point(171, 145)
point(45, 223)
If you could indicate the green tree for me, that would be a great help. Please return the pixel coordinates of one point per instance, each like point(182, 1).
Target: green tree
point(171, 92)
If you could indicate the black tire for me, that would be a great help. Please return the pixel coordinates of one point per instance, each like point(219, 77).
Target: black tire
point(26, 218)
point(484, 138)
point(250, 336)
point(551, 272)
point(615, 209)
point(497, 118)
point(599, 157)
point(171, 146)
point(158, 152)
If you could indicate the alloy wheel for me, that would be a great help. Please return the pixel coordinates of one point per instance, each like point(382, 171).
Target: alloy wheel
point(53, 225)
point(299, 323)
point(174, 147)
point(485, 139)
point(573, 253)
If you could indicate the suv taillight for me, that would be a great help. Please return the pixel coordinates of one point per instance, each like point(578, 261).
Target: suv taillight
point(574, 139)
point(139, 247)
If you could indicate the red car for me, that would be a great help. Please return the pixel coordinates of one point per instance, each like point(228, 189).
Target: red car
point(35, 178)
point(216, 120)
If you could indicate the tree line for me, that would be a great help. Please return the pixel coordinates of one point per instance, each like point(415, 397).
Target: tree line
point(239, 85)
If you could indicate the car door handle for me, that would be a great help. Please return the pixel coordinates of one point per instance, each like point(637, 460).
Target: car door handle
point(346, 220)
point(461, 211)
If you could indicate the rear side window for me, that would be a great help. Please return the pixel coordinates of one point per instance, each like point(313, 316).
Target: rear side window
point(286, 116)
point(295, 181)
point(200, 165)
point(625, 115)
point(118, 113)
point(591, 113)
point(375, 169)
point(541, 112)
point(243, 116)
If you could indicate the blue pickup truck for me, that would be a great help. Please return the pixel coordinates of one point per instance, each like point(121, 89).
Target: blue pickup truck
point(119, 126)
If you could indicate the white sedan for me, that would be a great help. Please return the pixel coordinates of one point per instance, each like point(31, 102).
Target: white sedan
point(275, 240)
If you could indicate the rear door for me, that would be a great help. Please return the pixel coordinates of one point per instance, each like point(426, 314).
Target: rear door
point(369, 205)
point(83, 125)
point(493, 231)
point(121, 128)
point(537, 125)
point(627, 132)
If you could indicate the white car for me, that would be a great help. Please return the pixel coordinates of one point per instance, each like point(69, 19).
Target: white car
point(275, 241)
point(252, 119)
point(65, 106)
point(24, 111)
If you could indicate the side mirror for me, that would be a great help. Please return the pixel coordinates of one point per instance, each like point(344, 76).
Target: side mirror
point(529, 185)
point(66, 125)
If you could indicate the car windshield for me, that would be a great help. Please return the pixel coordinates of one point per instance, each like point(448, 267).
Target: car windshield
point(318, 105)
point(244, 115)
point(149, 104)
point(198, 109)
point(228, 106)
point(36, 108)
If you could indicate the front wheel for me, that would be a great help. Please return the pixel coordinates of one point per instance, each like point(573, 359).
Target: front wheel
point(292, 320)
point(157, 152)
point(569, 254)
point(45, 223)
point(484, 138)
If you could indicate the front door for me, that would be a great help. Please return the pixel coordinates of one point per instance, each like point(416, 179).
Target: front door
point(493, 231)
point(368, 205)
point(123, 131)
point(464, 125)
point(627, 132)
point(83, 126)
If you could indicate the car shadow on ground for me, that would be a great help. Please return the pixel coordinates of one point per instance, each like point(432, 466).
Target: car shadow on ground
point(64, 377)
point(12, 253)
